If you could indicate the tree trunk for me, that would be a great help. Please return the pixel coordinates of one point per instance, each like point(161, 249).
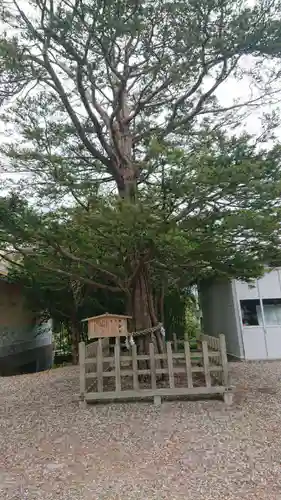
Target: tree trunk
point(75, 339)
point(144, 315)
point(142, 303)
point(162, 304)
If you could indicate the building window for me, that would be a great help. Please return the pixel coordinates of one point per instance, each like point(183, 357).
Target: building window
point(251, 312)
point(272, 311)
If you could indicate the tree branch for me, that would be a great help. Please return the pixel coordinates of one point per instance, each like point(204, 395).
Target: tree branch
point(64, 252)
point(92, 117)
point(91, 148)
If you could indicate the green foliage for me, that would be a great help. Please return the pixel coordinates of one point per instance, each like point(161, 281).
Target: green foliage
point(66, 300)
point(192, 321)
point(175, 305)
point(222, 217)
point(129, 176)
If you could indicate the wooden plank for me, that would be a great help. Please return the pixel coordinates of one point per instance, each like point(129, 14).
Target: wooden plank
point(206, 363)
point(123, 373)
point(135, 368)
point(200, 369)
point(170, 365)
point(178, 355)
point(90, 361)
point(150, 393)
point(224, 361)
point(159, 371)
point(82, 374)
point(193, 355)
point(99, 367)
point(94, 375)
point(143, 357)
point(152, 366)
point(188, 364)
point(117, 366)
point(175, 342)
point(160, 356)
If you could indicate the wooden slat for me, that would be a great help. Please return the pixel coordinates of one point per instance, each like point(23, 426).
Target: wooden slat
point(170, 365)
point(99, 367)
point(152, 366)
point(82, 356)
point(143, 357)
point(123, 373)
point(178, 355)
point(90, 361)
point(224, 362)
point(135, 368)
point(214, 354)
point(109, 359)
point(188, 364)
point(159, 371)
point(200, 369)
point(175, 342)
point(150, 393)
point(206, 363)
point(117, 366)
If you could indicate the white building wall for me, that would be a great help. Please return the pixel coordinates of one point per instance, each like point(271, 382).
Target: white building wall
point(263, 340)
point(245, 291)
point(221, 308)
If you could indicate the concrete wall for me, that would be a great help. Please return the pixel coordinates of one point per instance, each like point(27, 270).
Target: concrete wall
point(16, 319)
point(220, 314)
point(23, 342)
point(29, 361)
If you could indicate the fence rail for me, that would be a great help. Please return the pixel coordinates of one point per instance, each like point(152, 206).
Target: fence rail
point(174, 373)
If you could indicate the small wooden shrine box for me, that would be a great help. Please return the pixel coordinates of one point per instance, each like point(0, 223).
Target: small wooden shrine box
point(107, 325)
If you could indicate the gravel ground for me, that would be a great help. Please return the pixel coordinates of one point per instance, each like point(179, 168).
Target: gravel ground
point(52, 449)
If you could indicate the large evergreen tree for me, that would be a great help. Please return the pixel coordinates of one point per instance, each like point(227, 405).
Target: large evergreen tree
point(115, 93)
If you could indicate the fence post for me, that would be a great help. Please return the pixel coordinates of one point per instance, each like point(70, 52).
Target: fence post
point(224, 361)
point(117, 365)
point(206, 363)
point(170, 365)
point(82, 357)
point(135, 368)
point(99, 366)
point(188, 364)
point(152, 366)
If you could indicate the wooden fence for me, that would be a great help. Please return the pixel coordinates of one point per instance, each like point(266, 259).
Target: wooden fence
point(177, 372)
